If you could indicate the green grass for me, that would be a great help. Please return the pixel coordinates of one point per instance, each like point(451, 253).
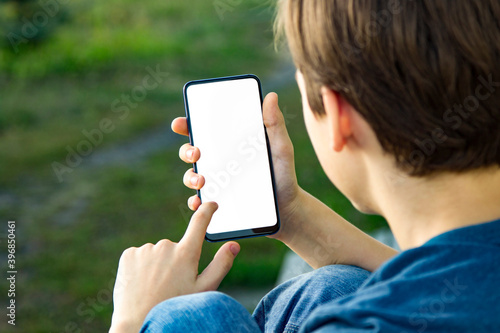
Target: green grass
point(71, 234)
point(49, 93)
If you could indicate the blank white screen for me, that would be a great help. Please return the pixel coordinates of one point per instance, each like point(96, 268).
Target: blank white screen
point(227, 127)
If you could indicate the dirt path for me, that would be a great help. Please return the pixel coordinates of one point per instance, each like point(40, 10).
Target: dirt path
point(63, 202)
point(141, 147)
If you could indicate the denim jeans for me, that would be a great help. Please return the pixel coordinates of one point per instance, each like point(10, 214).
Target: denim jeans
point(281, 310)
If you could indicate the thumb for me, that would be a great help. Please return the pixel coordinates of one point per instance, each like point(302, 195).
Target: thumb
point(275, 126)
point(212, 276)
point(273, 118)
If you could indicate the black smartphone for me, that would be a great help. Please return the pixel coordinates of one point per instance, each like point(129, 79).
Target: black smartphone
point(225, 122)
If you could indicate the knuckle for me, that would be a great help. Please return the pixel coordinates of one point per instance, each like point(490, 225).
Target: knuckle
point(191, 202)
point(201, 214)
point(187, 176)
point(227, 263)
point(226, 266)
point(129, 252)
point(146, 247)
point(182, 151)
point(165, 243)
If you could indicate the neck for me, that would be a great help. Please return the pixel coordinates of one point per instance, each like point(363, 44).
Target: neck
point(418, 209)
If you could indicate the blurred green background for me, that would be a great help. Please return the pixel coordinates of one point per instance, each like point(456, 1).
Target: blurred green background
point(67, 65)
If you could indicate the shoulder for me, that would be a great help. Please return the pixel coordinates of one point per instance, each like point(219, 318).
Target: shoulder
point(441, 286)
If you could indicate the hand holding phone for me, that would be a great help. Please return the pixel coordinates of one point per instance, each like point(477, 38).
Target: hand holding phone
point(287, 188)
point(224, 118)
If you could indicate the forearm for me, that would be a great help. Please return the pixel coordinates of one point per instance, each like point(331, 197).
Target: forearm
point(322, 237)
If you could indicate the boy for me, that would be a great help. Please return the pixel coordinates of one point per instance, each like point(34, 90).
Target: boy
point(401, 102)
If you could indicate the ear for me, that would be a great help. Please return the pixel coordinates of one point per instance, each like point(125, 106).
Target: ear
point(338, 116)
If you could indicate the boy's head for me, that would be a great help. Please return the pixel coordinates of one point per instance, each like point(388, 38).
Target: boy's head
point(424, 75)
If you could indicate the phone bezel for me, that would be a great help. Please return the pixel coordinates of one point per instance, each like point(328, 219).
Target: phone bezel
point(246, 233)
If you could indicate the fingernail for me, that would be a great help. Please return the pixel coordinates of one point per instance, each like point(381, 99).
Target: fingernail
point(189, 153)
point(194, 180)
point(235, 249)
point(190, 200)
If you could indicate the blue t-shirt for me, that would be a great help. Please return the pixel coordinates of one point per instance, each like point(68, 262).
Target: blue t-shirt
point(449, 284)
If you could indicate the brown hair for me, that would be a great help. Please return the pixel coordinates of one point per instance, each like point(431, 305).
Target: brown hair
point(424, 74)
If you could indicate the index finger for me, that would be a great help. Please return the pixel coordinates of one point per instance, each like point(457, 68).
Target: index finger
point(179, 126)
point(195, 233)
